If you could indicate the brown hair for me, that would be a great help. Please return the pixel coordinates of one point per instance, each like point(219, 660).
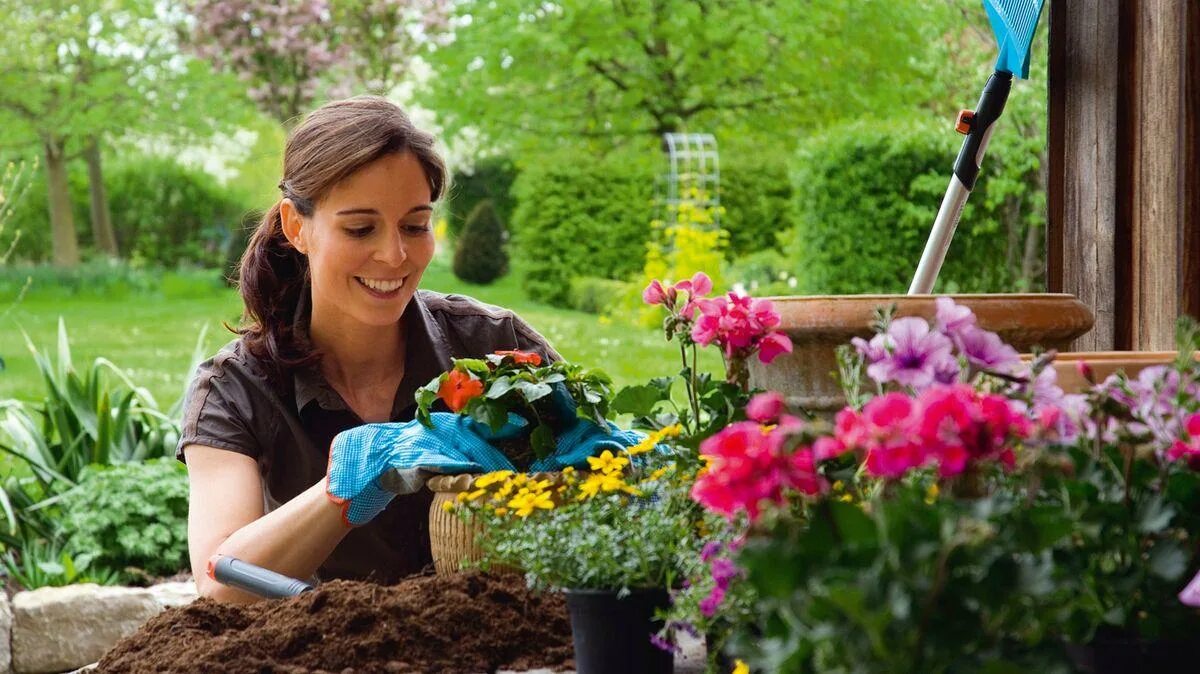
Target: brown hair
point(332, 143)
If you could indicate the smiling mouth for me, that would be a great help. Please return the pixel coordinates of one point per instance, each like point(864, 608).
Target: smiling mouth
point(381, 287)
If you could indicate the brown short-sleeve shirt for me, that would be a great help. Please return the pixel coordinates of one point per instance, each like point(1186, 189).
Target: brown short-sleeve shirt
point(287, 427)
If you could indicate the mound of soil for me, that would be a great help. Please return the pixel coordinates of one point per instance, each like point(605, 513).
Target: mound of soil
point(469, 622)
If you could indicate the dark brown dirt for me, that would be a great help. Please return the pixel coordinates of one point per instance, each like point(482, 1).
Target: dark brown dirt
point(470, 622)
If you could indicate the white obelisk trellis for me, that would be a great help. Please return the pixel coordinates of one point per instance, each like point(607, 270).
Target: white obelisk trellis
point(693, 162)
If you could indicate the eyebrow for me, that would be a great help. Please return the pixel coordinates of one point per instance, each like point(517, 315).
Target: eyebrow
point(372, 211)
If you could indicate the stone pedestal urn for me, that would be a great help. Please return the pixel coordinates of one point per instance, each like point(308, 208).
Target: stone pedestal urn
point(817, 325)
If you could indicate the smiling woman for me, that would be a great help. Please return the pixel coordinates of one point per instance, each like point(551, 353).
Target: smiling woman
point(337, 334)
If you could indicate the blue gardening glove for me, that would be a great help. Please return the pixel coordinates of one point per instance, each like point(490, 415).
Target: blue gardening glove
point(585, 439)
point(370, 464)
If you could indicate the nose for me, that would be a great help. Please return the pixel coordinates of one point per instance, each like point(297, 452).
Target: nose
point(391, 250)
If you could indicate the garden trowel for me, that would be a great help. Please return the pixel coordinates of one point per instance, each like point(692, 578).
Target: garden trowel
point(1013, 22)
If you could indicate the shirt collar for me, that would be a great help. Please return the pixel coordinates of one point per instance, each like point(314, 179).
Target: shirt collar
point(427, 354)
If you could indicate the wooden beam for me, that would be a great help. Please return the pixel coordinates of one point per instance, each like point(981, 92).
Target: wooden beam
point(1190, 292)
point(1158, 169)
point(1083, 96)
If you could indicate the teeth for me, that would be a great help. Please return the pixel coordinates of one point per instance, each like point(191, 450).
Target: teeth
point(381, 285)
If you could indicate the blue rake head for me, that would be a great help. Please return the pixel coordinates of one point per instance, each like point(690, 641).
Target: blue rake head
point(1014, 22)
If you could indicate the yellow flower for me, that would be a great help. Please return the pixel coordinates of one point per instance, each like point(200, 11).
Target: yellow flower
point(740, 667)
point(526, 502)
point(503, 492)
point(540, 485)
point(931, 494)
point(838, 485)
point(519, 479)
point(501, 511)
point(607, 463)
point(474, 496)
point(569, 470)
point(489, 479)
point(590, 486)
point(447, 506)
point(658, 473)
point(462, 497)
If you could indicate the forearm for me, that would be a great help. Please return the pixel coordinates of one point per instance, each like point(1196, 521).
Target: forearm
point(295, 539)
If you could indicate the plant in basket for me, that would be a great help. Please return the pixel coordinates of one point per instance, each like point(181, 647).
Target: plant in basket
point(517, 401)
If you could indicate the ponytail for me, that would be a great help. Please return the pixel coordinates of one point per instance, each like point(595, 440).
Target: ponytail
point(274, 277)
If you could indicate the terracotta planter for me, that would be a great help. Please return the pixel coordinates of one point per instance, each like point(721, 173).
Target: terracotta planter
point(451, 540)
point(1105, 363)
point(817, 325)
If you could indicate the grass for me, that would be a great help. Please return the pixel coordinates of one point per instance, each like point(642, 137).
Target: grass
point(152, 333)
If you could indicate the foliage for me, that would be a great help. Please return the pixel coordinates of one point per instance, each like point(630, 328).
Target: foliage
point(13, 185)
point(767, 272)
point(165, 213)
point(855, 181)
point(964, 514)
point(549, 397)
point(489, 179)
point(130, 515)
point(480, 253)
point(94, 417)
point(603, 74)
point(756, 193)
point(596, 295)
point(42, 563)
point(383, 37)
point(574, 215)
point(626, 525)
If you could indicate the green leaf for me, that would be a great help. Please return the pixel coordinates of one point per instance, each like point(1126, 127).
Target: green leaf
point(499, 387)
point(542, 441)
point(488, 412)
point(532, 391)
point(1154, 515)
point(472, 365)
point(638, 400)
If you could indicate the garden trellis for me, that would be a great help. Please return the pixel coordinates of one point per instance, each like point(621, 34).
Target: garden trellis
point(693, 175)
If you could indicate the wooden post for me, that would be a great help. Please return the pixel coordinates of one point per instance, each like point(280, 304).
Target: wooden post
point(1124, 182)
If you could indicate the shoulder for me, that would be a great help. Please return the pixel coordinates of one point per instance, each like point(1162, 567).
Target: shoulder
point(482, 327)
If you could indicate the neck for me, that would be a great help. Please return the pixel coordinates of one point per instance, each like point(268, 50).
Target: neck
point(356, 355)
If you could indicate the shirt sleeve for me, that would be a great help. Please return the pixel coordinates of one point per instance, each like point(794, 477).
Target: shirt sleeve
point(214, 411)
point(529, 339)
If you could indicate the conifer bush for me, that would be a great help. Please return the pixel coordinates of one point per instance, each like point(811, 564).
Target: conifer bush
point(480, 254)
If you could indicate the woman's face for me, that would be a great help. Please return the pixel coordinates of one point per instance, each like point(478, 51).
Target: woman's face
point(368, 241)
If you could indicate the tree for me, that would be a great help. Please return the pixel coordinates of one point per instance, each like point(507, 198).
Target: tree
point(382, 37)
point(80, 72)
point(480, 255)
point(281, 50)
point(536, 73)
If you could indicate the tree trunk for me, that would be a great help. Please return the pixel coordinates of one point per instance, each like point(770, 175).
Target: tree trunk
point(102, 229)
point(62, 222)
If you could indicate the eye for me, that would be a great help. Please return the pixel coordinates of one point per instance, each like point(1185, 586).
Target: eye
point(416, 227)
point(360, 231)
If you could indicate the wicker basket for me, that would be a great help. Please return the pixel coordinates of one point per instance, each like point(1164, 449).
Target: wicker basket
point(453, 541)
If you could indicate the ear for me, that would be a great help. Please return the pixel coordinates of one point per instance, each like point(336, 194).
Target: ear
point(293, 225)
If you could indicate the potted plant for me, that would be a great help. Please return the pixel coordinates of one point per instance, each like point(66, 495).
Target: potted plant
point(962, 513)
point(522, 407)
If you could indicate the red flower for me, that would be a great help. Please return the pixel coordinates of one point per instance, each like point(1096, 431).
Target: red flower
point(458, 388)
point(522, 357)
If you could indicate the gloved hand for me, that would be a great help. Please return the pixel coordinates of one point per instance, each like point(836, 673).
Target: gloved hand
point(584, 439)
point(370, 464)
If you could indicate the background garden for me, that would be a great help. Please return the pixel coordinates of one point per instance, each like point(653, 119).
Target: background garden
point(140, 139)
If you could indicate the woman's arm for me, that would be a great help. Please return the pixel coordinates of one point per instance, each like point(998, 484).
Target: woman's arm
point(225, 516)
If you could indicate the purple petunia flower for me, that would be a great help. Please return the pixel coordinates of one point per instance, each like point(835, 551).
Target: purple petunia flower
point(914, 354)
point(985, 350)
point(952, 318)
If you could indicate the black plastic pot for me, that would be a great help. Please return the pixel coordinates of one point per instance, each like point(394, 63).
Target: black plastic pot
point(612, 636)
point(1134, 656)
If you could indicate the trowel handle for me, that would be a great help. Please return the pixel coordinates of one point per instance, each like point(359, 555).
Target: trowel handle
point(234, 572)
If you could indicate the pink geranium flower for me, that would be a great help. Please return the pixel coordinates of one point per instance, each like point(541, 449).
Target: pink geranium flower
point(740, 325)
point(765, 407)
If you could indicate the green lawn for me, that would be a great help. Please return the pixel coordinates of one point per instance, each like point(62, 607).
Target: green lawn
point(153, 334)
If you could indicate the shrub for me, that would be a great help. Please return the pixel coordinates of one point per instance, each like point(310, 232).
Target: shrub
point(162, 212)
point(577, 215)
point(480, 255)
point(596, 295)
point(130, 516)
point(756, 193)
point(866, 196)
point(490, 179)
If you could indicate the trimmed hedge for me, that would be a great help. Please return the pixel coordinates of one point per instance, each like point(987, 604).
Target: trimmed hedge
point(866, 195)
point(491, 179)
point(480, 255)
point(575, 218)
point(756, 193)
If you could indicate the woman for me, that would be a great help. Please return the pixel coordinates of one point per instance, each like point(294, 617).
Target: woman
point(337, 335)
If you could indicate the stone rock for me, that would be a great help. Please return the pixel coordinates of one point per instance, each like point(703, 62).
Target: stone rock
point(6, 620)
point(170, 595)
point(63, 628)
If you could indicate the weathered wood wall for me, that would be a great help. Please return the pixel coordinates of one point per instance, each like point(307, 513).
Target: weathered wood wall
point(1124, 191)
